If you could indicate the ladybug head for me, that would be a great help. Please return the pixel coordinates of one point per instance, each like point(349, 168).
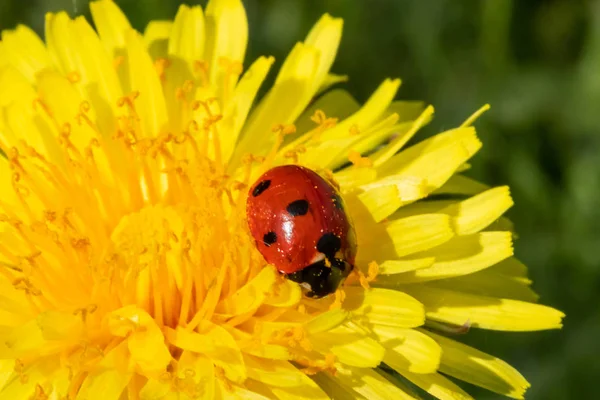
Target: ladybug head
point(320, 279)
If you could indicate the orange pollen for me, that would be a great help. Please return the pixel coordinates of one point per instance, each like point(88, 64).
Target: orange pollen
point(19, 370)
point(322, 120)
point(220, 374)
point(74, 76)
point(161, 64)
point(201, 69)
point(340, 296)
point(313, 367)
point(232, 66)
point(292, 154)
point(373, 271)
point(39, 393)
point(118, 61)
point(284, 129)
point(354, 130)
point(355, 158)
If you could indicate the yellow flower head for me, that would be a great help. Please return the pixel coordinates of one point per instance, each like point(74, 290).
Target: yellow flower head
point(127, 269)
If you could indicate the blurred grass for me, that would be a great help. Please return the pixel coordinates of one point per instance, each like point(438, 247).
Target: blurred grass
point(537, 63)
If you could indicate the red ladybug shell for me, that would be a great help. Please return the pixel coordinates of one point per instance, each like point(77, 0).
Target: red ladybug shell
point(297, 219)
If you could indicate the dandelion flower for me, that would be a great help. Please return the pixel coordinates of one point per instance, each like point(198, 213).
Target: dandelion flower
point(127, 268)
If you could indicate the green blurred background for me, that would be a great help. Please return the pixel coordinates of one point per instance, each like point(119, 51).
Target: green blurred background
point(538, 64)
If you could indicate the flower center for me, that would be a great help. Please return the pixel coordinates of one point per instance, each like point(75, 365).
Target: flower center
point(127, 221)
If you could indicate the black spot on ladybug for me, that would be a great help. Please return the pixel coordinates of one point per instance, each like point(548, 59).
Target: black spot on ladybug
point(329, 244)
point(297, 208)
point(269, 238)
point(337, 201)
point(261, 187)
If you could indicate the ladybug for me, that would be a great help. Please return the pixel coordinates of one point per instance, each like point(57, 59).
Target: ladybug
point(298, 221)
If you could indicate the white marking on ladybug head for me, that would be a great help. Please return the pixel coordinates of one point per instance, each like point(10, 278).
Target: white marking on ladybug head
point(318, 257)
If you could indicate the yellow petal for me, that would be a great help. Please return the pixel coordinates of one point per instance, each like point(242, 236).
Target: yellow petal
point(402, 237)
point(226, 38)
point(334, 142)
point(157, 31)
point(148, 350)
point(400, 384)
point(459, 184)
point(252, 390)
point(40, 372)
point(326, 320)
point(481, 369)
point(216, 343)
point(269, 351)
point(150, 105)
point(492, 284)
point(330, 80)
point(187, 34)
point(197, 375)
point(236, 111)
point(250, 296)
point(384, 196)
point(391, 267)
point(383, 307)
point(461, 255)
point(351, 345)
point(408, 349)
point(3, 56)
point(111, 23)
point(337, 103)
point(65, 107)
point(255, 390)
point(441, 206)
point(407, 110)
point(104, 385)
point(286, 294)
point(279, 106)
point(381, 201)
point(227, 355)
point(110, 375)
point(373, 109)
point(335, 388)
point(414, 234)
point(381, 156)
point(299, 393)
point(476, 213)
point(20, 120)
point(436, 159)
point(379, 133)
point(326, 154)
point(58, 326)
point(25, 51)
point(484, 312)
point(155, 389)
point(156, 37)
point(349, 178)
point(511, 267)
point(353, 383)
point(190, 341)
point(7, 369)
point(275, 373)
point(22, 340)
point(325, 36)
point(97, 80)
point(145, 340)
point(438, 386)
